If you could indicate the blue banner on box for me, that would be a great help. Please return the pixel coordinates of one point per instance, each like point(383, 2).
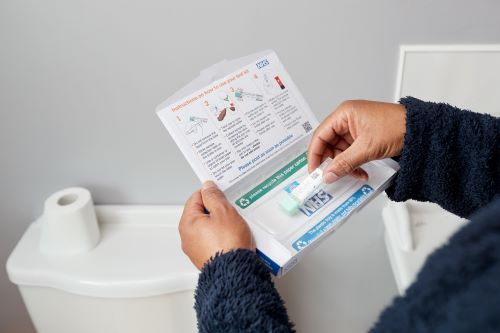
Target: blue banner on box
point(334, 217)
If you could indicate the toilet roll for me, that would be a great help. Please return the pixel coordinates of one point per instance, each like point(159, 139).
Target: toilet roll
point(69, 224)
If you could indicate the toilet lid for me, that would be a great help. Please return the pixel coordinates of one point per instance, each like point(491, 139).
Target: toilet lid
point(139, 255)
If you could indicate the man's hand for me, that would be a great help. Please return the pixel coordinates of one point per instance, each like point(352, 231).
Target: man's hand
point(356, 133)
point(222, 230)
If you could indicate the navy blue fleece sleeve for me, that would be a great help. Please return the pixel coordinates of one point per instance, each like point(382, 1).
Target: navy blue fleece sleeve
point(450, 157)
point(235, 293)
point(458, 288)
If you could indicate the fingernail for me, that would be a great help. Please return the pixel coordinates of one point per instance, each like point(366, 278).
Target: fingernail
point(208, 184)
point(330, 177)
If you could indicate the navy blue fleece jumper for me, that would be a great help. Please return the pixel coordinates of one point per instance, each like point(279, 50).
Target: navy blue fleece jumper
point(450, 157)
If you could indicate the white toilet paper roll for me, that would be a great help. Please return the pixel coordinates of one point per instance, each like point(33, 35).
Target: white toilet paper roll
point(69, 223)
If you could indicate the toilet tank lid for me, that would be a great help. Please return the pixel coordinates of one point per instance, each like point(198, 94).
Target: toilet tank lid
point(139, 255)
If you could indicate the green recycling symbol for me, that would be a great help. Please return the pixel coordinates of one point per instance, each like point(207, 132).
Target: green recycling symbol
point(244, 202)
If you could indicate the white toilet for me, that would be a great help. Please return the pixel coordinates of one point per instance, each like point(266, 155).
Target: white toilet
point(126, 273)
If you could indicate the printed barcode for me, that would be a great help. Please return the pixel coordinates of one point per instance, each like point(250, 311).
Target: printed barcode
point(307, 127)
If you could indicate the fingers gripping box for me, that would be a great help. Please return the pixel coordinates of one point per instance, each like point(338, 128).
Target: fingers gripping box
point(244, 124)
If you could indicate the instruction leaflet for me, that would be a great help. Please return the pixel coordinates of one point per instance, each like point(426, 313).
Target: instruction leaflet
point(238, 122)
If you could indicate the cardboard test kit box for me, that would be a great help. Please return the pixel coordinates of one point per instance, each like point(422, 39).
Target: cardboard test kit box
point(244, 124)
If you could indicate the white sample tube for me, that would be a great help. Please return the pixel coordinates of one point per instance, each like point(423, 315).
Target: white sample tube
point(309, 186)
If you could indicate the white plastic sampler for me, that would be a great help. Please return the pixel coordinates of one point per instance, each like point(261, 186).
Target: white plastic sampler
point(252, 142)
point(311, 185)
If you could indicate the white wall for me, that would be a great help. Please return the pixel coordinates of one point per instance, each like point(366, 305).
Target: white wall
point(79, 81)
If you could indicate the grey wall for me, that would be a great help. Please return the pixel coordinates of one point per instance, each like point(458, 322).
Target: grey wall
point(79, 81)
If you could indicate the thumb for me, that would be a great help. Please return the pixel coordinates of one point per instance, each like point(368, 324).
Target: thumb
point(345, 163)
point(213, 197)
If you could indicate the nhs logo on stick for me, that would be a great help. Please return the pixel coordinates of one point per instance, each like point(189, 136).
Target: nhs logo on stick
point(314, 203)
